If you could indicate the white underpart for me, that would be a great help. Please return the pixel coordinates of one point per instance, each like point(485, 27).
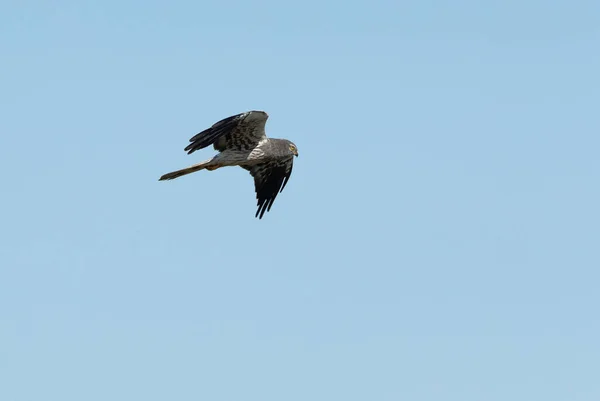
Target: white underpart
point(232, 157)
point(257, 152)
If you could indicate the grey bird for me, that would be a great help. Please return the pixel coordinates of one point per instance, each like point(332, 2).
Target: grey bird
point(241, 141)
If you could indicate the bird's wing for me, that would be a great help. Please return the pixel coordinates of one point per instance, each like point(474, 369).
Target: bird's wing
point(269, 180)
point(242, 131)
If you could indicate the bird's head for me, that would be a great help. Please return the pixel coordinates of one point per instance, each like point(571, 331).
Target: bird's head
point(293, 149)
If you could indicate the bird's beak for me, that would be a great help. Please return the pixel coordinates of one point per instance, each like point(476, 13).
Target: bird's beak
point(296, 153)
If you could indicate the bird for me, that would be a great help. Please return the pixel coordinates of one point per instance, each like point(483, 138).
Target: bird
point(241, 141)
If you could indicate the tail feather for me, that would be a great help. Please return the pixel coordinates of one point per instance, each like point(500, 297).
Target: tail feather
point(192, 169)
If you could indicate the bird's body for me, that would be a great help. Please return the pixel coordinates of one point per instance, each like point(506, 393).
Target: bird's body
point(241, 141)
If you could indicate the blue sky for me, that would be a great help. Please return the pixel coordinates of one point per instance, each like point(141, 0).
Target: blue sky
point(438, 238)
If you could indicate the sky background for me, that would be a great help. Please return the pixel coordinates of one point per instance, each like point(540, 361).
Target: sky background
point(438, 239)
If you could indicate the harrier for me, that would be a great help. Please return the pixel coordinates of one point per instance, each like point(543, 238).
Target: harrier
point(241, 141)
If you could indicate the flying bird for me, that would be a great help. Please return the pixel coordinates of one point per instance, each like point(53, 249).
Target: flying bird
point(241, 141)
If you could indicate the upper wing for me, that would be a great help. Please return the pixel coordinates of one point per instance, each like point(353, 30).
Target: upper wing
point(269, 180)
point(242, 131)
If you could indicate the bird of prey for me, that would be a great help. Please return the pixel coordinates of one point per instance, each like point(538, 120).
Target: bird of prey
point(241, 141)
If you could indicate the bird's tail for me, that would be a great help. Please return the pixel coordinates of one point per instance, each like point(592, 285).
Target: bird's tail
point(188, 170)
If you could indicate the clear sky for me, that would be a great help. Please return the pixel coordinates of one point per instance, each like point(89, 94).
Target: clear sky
point(438, 239)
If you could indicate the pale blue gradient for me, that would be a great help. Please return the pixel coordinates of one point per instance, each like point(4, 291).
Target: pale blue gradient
point(439, 238)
